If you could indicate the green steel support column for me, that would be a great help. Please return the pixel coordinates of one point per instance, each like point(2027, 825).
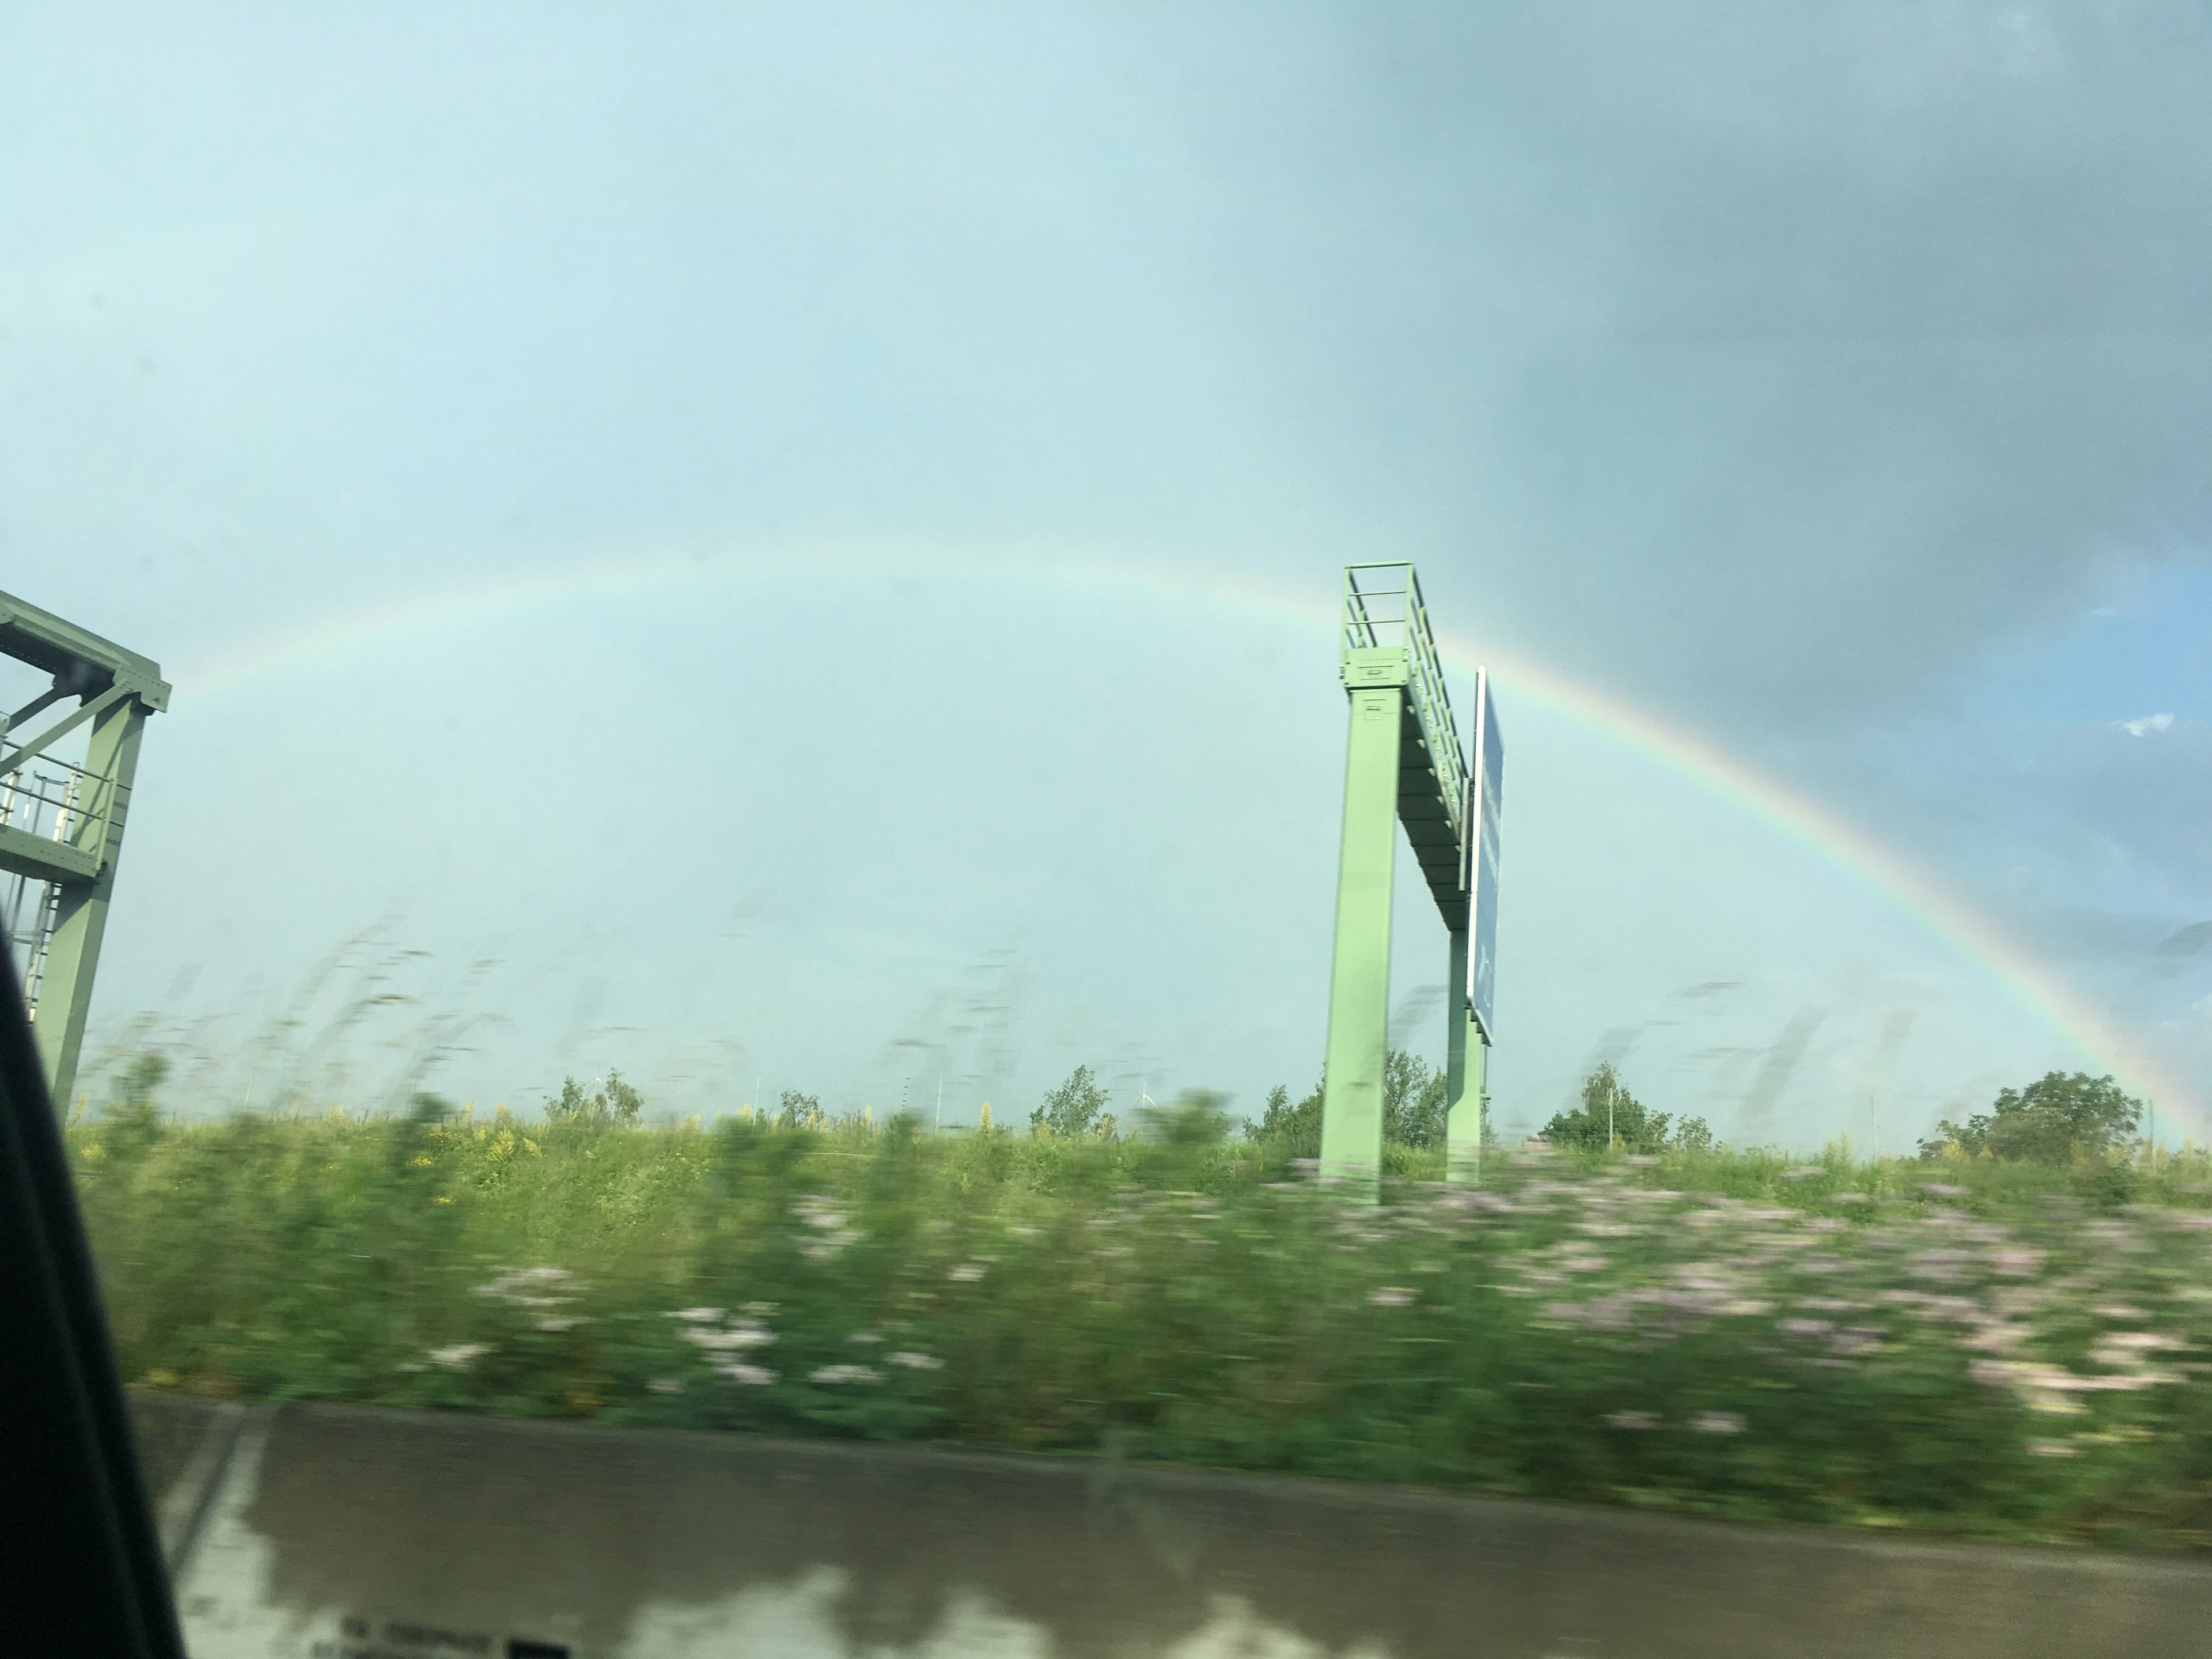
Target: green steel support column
point(1359, 981)
point(1461, 1035)
point(1463, 1130)
point(65, 992)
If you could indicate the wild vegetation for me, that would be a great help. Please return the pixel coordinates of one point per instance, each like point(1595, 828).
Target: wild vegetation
point(1413, 1111)
point(2054, 1120)
point(1612, 1119)
point(1982, 1340)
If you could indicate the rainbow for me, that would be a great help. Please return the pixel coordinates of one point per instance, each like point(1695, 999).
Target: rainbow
point(1880, 869)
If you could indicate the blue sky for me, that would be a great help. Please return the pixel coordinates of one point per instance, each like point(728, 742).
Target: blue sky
point(2138, 655)
point(1830, 383)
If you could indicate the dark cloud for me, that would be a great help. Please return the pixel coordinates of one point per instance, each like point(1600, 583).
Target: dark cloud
point(1772, 365)
point(1769, 362)
point(1776, 360)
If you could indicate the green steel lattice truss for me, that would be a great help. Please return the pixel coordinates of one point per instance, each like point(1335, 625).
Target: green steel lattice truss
point(62, 825)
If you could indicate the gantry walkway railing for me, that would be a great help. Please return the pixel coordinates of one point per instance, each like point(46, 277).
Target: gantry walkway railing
point(1387, 639)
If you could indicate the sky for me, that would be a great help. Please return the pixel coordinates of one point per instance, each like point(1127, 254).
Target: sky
point(795, 548)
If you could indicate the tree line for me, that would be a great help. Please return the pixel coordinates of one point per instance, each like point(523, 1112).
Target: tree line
point(2058, 1119)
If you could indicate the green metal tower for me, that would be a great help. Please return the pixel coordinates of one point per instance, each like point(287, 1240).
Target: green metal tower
point(1403, 764)
point(61, 823)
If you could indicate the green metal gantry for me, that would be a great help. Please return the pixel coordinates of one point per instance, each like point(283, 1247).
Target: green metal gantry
point(61, 825)
point(1403, 764)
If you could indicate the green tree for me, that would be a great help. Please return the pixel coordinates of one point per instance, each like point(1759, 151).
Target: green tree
point(1695, 1135)
point(2049, 1122)
point(1295, 1124)
point(1074, 1108)
point(798, 1110)
point(1412, 1109)
point(1412, 1101)
point(1611, 1116)
point(614, 1101)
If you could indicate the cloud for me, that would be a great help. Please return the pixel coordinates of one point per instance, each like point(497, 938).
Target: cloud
point(1821, 337)
point(2189, 941)
point(1769, 365)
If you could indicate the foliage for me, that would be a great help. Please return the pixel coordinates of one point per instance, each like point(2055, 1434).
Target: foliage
point(132, 1122)
point(612, 1102)
point(1197, 1120)
point(1695, 1135)
point(1296, 1127)
point(1412, 1102)
point(2005, 1351)
point(1073, 1109)
point(2055, 1119)
point(1413, 1109)
point(1610, 1117)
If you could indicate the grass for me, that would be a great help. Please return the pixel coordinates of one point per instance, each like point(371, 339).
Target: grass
point(1968, 1346)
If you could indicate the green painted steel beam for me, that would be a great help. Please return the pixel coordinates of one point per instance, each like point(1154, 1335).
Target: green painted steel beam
point(41, 858)
point(1465, 1063)
point(31, 747)
point(45, 699)
point(1359, 979)
point(83, 665)
point(115, 689)
point(80, 917)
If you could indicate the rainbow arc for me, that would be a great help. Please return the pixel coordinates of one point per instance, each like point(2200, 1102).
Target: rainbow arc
point(1826, 835)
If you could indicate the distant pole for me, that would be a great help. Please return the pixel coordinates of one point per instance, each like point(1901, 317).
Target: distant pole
point(940, 1103)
